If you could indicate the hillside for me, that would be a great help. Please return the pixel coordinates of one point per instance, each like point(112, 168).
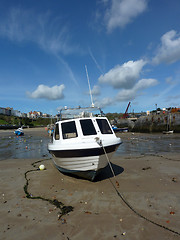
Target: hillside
point(13, 122)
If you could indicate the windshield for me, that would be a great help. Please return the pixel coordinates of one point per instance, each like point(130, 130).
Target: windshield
point(104, 126)
point(87, 127)
point(69, 130)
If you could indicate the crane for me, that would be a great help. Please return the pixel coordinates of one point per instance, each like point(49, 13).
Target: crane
point(125, 115)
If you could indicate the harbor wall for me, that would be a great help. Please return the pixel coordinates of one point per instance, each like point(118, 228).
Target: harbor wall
point(153, 123)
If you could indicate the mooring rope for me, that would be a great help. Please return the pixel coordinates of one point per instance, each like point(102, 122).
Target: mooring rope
point(139, 214)
point(99, 141)
point(123, 198)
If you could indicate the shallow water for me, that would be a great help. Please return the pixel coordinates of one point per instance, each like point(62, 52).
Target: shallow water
point(35, 147)
point(21, 147)
point(135, 144)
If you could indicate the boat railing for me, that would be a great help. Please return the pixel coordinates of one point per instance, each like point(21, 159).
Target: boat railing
point(79, 112)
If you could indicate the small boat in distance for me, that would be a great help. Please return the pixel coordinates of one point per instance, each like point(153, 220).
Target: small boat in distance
point(81, 144)
point(168, 131)
point(19, 132)
point(116, 129)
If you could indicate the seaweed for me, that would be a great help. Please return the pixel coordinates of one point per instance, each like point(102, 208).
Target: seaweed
point(64, 209)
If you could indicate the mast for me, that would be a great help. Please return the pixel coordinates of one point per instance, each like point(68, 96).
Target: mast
point(92, 104)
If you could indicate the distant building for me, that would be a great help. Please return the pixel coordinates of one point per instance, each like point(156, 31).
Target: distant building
point(5, 111)
point(24, 115)
point(174, 110)
point(39, 114)
point(45, 115)
point(34, 114)
point(11, 112)
point(16, 113)
point(2, 111)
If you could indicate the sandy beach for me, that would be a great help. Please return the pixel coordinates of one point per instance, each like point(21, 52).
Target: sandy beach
point(149, 184)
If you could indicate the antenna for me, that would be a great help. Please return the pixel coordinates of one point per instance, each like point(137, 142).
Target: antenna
point(92, 104)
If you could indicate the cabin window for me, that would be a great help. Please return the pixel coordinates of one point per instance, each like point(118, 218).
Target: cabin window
point(87, 127)
point(56, 134)
point(104, 126)
point(69, 130)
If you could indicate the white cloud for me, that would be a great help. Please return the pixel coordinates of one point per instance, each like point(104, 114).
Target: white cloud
point(145, 83)
point(50, 93)
point(123, 76)
point(104, 102)
point(51, 34)
point(169, 51)
point(169, 80)
point(131, 94)
point(123, 12)
point(96, 90)
point(126, 95)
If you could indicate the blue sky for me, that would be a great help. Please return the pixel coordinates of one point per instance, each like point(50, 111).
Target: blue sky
point(131, 49)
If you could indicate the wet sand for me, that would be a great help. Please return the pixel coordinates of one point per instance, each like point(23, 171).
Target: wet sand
point(150, 183)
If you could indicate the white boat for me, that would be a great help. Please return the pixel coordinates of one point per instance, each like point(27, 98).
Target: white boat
point(83, 146)
point(19, 132)
point(168, 131)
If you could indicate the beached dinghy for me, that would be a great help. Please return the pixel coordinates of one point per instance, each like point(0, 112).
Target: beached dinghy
point(83, 145)
point(19, 132)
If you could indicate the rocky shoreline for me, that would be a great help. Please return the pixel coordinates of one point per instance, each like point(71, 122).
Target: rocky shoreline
point(152, 123)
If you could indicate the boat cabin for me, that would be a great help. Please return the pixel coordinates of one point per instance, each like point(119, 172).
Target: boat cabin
point(84, 127)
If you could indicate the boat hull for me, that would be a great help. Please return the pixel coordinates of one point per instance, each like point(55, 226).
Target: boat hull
point(86, 167)
point(125, 129)
point(168, 132)
point(19, 133)
point(88, 175)
point(84, 163)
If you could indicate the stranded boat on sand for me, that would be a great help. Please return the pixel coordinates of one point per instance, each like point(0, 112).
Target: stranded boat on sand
point(19, 132)
point(81, 145)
